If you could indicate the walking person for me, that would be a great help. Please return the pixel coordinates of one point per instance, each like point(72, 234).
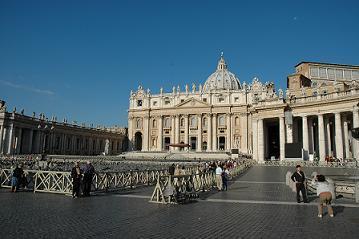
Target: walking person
point(325, 195)
point(76, 180)
point(299, 178)
point(89, 171)
point(219, 177)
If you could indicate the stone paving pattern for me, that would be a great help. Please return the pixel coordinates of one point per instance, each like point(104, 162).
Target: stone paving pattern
point(130, 215)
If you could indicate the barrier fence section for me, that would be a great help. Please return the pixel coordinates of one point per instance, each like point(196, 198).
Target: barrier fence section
point(61, 182)
point(349, 190)
point(176, 188)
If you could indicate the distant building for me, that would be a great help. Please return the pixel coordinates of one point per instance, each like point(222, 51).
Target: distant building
point(313, 117)
point(22, 134)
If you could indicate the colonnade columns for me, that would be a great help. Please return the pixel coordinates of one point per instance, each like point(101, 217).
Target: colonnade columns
point(31, 134)
point(281, 138)
point(214, 133)
point(209, 132)
point(356, 125)
point(1, 138)
point(255, 139)
point(199, 133)
point(321, 137)
point(11, 140)
point(160, 134)
point(305, 137)
point(329, 143)
point(177, 138)
point(260, 141)
point(130, 134)
point(346, 138)
point(229, 131)
point(338, 136)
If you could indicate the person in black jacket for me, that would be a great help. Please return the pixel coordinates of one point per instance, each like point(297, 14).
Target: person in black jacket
point(89, 172)
point(299, 178)
point(76, 180)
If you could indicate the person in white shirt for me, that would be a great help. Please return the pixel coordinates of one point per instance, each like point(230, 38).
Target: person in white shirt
point(219, 177)
point(325, 195)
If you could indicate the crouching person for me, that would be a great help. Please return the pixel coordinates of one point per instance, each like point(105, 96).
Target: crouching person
point(325, 195)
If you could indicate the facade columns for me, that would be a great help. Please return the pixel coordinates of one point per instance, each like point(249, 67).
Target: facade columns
point(321, 137)
point(289, 132)
point(282, 138)
point(209, 132)
point(31, 134)
point(346, 139)
point(146, 125)
point(186, 130)
point(260, 141)
point(338, 136)
point(229, 126)
point(356, 125)
point(1, 138)
point(177, 132)
point(305, 138)
point(130, 133)
point(214, 132)
point(172, 130)
point(199, 133)
point(160, 134)
point(255, 139)
point(329, 139)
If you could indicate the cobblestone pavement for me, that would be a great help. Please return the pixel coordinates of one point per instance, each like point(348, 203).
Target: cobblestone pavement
point(250, 209)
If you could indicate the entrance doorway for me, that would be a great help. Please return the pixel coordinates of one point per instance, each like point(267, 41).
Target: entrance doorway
point(272, 139)
point(138, 141)
point(222, 143)
point(193, 143)
point(167, 143)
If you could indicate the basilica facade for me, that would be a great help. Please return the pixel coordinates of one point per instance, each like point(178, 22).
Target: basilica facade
point(313, 118)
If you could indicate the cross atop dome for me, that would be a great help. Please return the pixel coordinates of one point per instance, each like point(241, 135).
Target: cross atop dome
point(222, 63)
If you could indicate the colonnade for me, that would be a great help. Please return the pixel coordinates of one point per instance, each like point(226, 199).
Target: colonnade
point(317, 135)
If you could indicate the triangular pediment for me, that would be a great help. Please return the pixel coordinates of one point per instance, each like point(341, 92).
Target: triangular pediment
point(192, 103)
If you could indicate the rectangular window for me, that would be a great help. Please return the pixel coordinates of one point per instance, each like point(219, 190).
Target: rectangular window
point(204, 99)
point(154, 103)
point(220, 99)
point(331, 73)
point(167, 102)
point(139, 103)
point(339, 74)
point(322, 72)
point(314, 71)
point(236, 99)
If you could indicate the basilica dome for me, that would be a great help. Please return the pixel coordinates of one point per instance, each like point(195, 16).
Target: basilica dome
point(221, 79)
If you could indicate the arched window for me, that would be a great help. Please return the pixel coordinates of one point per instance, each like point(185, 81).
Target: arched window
point(205, 122)
point(182, 122)
point(167, 122)
point(138, 124)
point(221, 120)
point(154, 123)
point(236, 121)
point(193, 121)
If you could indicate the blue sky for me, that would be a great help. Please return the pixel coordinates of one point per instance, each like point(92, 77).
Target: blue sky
point(80, 59)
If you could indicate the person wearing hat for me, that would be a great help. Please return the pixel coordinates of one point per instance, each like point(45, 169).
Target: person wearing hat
point(299, 178)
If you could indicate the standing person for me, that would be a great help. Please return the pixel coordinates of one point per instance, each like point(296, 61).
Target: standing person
point(299, 178)
point(16, 177)
point(325, 195)
point(89, 171)
point(171, 169)
point(76, 180)
point(225, 176)
point(219, 177)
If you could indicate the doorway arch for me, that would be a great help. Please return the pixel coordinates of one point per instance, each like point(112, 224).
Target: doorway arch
point(138, 141)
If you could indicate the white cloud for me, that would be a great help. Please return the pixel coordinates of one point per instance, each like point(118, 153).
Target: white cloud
point(27, 88)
